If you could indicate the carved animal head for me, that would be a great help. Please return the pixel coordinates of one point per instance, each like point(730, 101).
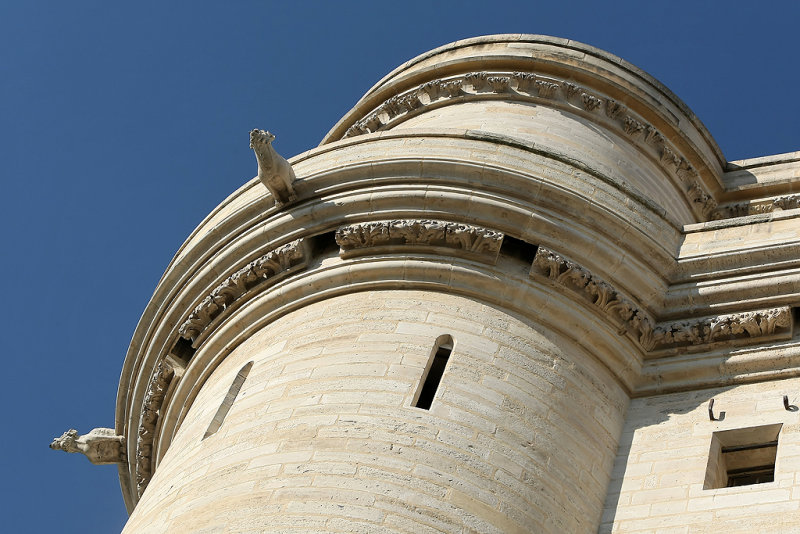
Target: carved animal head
point(66, 442)
point(260, 138)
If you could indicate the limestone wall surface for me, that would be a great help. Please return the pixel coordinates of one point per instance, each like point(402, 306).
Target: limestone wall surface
point(658, 479)
point(322, 436)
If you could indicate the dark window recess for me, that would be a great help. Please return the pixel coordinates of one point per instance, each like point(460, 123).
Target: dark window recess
point(433, 374)
point(227, 402)
point(742, 457)
point(325, 244)
point(517, 248)
point(183, 350)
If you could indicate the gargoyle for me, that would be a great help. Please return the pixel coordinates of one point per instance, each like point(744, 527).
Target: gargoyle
point(274, 172)
point(101, 445)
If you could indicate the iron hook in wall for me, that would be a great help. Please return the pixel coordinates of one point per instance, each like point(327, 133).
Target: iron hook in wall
point(711, 412)
point(788, 407)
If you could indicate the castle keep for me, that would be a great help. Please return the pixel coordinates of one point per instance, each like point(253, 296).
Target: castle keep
point(517, 288)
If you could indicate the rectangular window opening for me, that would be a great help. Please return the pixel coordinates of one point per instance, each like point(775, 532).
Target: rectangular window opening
point(517, 248)
point(324, 244)
point(742, 457)
point(433, 375)
point(183, 350)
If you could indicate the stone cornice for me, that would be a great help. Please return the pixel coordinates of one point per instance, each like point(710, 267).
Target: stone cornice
point(378, 237)
point(757, 325)
point(620, 310)
point(728, 327)
point(543, 90)
point(270, 267)
point(743, 209)
point(151, 408)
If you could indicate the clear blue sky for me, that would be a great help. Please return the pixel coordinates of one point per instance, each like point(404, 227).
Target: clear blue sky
point(122, 127)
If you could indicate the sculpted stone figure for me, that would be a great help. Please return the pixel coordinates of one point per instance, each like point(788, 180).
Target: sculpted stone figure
point(101, 445)
point(273, 170)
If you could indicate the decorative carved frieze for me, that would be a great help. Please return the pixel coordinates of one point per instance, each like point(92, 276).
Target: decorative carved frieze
point(499, 84)
point(525, 81)
point(270, 265)
point(570, 90)
point(151, 410)
point(613, 108)
point(590, 102)
point(478, 81)
point(526, 86)
point(546, 89)
point(630, 318)
point(419, 232)
point(622, 312)
point(742, 209)
point(632, 126)
point(669, 158)
point(653, 137)
point(750, 324)
point(702, 199)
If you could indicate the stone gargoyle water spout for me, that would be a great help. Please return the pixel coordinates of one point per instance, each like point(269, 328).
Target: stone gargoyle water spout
point(273, 170)
point(101, 445)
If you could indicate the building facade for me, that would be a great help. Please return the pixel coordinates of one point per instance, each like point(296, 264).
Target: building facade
point(517, 288)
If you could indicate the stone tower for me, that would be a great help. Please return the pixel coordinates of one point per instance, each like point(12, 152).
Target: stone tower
point(516, 288)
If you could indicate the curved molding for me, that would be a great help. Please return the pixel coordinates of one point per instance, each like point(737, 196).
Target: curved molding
point(542, 90)
point(151, 407)
point(270, 267)
point(620, 310)
point(629, 317)
point(742, 209)
point(733, 326)
point(385, 236)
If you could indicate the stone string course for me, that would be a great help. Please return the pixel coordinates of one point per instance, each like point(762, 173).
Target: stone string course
point(151, 408)
point(631, 318)
point(742, 209)
point(419, 232)
point(544, 90)
point(268, 267)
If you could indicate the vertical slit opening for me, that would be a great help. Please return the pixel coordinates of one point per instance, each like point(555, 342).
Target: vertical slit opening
point(227, 402)
point(432, 376)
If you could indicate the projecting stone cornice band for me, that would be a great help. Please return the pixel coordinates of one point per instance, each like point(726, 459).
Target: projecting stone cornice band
point(151, 407)
point(622, 312)
point(543, 90)
point(384, 236)
point(268, 268)
point(742, 209)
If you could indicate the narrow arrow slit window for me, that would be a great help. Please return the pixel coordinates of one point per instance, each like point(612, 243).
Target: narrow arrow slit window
point(432, 375)
point(227, 402)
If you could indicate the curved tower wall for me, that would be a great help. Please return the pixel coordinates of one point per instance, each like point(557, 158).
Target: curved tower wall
point(539, 208)
point(323, 434)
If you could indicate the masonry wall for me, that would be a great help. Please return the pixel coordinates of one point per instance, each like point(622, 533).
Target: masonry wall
point(658, 477)
point(322, 436)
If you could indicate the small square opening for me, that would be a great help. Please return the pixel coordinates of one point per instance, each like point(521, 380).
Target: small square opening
point(742, 456)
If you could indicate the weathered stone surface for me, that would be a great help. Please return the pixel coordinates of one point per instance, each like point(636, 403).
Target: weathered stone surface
point(100, 446)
